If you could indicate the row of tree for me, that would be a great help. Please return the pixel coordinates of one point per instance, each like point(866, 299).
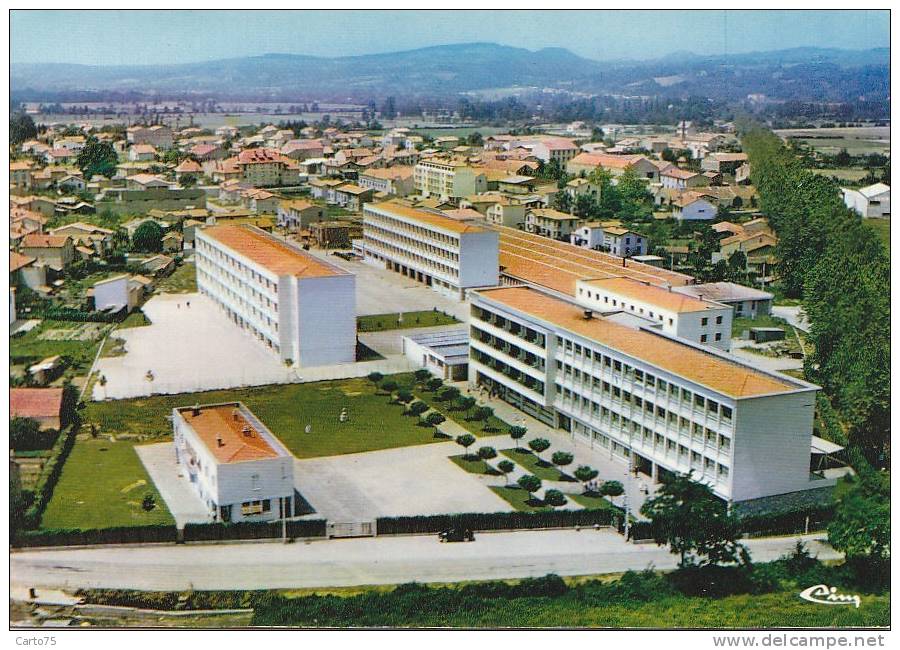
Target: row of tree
point(831, 259)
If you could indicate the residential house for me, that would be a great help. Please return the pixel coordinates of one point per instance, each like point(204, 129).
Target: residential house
point(188, 167)
point(41, 404)
point(98, 240)
point(117, 293)
point(20, 174)
point(392, 181)
point(260, 201)
point(26, 271)
point(141, 153)
point(582, 187)
point(873, 201)
point(693, 206)
point(551, 223)
point(723, 162)
point(351, 197)
point(682, 179)
point(172, 242)
point(297, 214)
point(745, 301)
point(447, 179)
point(623, 242)
point(159, 136)
point(613, 163)
point(56, 251)
point(266, 168)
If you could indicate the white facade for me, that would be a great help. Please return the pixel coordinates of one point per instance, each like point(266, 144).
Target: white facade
point(697, 210)
point(588, 236)
point(872, 202)
point(301, 307)
point(236, 465)
point(449, 255)
point(692, 319)
point(447, 179)
point(656, 404)
point(116, 293)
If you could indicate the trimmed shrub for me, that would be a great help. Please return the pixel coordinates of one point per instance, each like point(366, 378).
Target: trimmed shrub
point(83, 537)
point(494, 521)
point(220, 531)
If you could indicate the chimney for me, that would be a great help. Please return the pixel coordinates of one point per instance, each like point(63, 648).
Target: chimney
point(246, 431)
point(623, 263)
point(219, 441)
point(588, 314)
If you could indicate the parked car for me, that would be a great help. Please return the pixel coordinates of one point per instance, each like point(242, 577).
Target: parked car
point(456, 535)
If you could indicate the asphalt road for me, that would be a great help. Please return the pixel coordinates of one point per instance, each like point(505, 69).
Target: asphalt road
point(348, 562)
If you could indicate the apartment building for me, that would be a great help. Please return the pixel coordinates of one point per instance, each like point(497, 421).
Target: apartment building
point(447, 179)
point(266, 168)
point(237, 467)
point(551, 223)
point(659, 405)
point(302, 308)
point(390, 180)
point(449, 255)
point(688, 317)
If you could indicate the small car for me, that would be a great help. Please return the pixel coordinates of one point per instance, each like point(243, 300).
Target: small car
point(456, 535)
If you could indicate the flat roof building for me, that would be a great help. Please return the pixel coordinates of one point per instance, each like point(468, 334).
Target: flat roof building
point(236, 465)
point(658, 404)
point(448, 254)
point(301, 307)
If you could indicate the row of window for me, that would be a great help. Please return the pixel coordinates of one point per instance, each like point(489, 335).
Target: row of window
point(413, 260)
point(386, 234)
point(223, 259)
point(420, 233)
point(510, 349)
point(239, 300)
point(516, 329)
point(507, 370)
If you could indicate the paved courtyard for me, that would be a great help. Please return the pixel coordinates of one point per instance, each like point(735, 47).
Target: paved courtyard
point(174, 488)
point(198, 348)
point(418, 480)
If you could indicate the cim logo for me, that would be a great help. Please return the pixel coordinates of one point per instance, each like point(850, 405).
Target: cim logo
point(825, 595)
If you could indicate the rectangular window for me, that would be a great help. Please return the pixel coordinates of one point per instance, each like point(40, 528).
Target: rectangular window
point(699, 401)
point(718, 320)
point(703, 322)
point(726, 413)
point(703, 338)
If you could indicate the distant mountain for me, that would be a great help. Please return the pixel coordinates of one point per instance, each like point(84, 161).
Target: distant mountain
point(447, 70)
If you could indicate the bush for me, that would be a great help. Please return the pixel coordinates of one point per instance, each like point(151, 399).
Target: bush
point(49, 477)
point(486, 453)
point(612, 489)
point(788, 523)
point(555, 498)
point(253, 530)
point(82, 537)
point(539, 444)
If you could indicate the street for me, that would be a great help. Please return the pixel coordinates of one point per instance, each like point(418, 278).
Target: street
point(366, 561)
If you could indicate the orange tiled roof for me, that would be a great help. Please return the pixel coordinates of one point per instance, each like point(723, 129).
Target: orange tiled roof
point(652, 295)
point(270, 252)
point(35, 240)
point(240, 441)
point(437, 220)
point(705, 368)
point(35, 402)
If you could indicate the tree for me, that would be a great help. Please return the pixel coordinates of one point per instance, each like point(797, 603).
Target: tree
point(97, 158)
point(506, 466)
point(21, 128)
point(562, 201)
point(434, 419)
point(375, 378)
point(147, 237)
point(517, 433)
point(466, 404)
point(188, 181)
point(686, 515)
point(554, 498)
point(539, 445)
point(421, 375)
point(861, 527)
point(448, 394)
point(466, 440)
point(586, 474)
point(417, 408)
point(24, 433)
point(612, 489)
point(475, 139)
point(483, 414)
point(389, 386)
point(486, 453)
point(530, 484)
point(433, 384)
point(404, 397)
point(562, 458)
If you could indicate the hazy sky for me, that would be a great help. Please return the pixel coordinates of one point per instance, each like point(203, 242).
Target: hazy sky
point(133, 37)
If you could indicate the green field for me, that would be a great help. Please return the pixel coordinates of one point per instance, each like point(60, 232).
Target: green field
point(883, 228)
point(534, 465)
point(591, 501)
point(102, 486)
point(374, 422)
point(738, 325)
point(411, 319)
point(849, 175)
point(134, 319)
point(519, 499)
point(182, 280)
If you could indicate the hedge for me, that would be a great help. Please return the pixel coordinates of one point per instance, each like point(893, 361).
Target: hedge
point(494, 521)
point(49, 477)
point(253, 530)
point(70, 314)
point(788, 523)
point(81, 537)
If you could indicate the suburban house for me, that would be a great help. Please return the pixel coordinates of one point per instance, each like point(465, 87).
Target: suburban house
point(260, 201)
point(873, 201)
point(187, 167)
point(41, 404)
point(723, 162)
point(26, 271)
point(205, 152)
point(622, 242)
point(582, 187)
point(117, 293)
point(693, 206)
point(551, 223)
point(745, 301)
point(56, 251)
point(351, 197)
point(297, 214)
point(397, 181)
point(237, 467)
point(614, 163)
point(681, 179)
point(141, 152)
point(99, 240)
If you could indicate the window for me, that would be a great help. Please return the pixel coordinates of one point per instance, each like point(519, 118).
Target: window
point(703, 338)
point(726, 413)
point(718, 320)
point(718, 336)
point(254, 482)
point(699, 401)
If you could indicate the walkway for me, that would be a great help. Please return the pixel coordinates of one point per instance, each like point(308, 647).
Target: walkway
point(174, 488)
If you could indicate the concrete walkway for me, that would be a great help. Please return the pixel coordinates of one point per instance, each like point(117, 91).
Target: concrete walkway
point(174, 488)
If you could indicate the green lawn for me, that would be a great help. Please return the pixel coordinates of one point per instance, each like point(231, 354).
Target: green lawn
point(883, 228)
point(411, 319)
point(519, 499)
point(286, 409)
point(136, 318)
point(846, 174)
point(534, 465)
point(591, 501)
point(182, 280)
point(102, 485)
point(474, 465)
point(738, 325)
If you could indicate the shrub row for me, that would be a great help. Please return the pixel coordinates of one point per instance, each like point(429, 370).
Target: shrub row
point(253, 530)
point(80, 537)
point(49, 477)
point(494, 521)
point(788, 523)
point(71, 314)
point(169, 600)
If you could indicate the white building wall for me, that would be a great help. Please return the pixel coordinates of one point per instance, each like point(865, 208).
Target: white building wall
point(479, 259)
point(772, 445)
point(326, 316)
point(111, 294)
point(699, 210)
